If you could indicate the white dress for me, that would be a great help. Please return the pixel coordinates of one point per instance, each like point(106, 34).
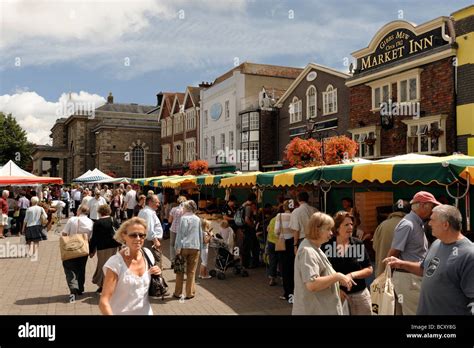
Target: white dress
point(131, 292)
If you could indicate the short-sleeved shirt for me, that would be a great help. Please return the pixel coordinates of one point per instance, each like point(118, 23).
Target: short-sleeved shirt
point(354, 259)
point(79, 224)
point(300, 218)
point(230, 212)
point(409, 237)
point(3, 206)
point(131, 292)
point(176, 213)
point(447, 287)
point(310, 263)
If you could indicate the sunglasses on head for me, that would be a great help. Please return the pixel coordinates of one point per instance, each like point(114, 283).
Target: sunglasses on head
point(135, 235)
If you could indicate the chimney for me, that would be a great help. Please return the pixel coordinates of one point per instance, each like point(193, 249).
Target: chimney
point(205, 84)
point(159, 98)
point(110, 98)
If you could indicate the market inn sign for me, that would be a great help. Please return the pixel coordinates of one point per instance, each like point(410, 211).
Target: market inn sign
point(400, 40)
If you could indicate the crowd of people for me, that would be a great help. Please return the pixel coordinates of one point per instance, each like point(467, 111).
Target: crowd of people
point(323, 262)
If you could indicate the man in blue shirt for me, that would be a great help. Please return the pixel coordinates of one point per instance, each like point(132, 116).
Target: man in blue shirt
point(448, 269)
point(410, 244)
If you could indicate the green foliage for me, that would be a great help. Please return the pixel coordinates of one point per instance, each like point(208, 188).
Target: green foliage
point(13, 143)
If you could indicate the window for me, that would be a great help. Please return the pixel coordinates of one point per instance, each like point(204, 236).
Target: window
point(254, 116)
point(408, 90)
point(295, 110)
point(245, 122)
point(169, 127)
point(311, 102)
point(163, 128)
point(231, 140)
point(178, 152)
point(206, 147)
point(381, 94)
point(330, 100)
point(165, 154)
point(206, 119)
point(426, 135)
point(190, 119)
point(227, 110)
point(138, 162)
point(368, 139)
point(223, 141)
point(178, 123)
point(253, 150)
point(190, 145)
point(213, 145)
point(244, 156)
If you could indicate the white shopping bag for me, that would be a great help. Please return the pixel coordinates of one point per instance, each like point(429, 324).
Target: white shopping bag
point(382, 294)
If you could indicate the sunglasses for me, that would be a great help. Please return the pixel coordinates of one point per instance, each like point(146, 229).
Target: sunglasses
point(135, 235)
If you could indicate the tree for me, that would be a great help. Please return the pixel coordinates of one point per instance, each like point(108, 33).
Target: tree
point(13, 142)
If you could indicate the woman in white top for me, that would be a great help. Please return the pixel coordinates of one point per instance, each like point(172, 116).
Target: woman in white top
point(316, 282)
point(287, 257)
point(32, 227)
point(127, 275)
point(75, 269)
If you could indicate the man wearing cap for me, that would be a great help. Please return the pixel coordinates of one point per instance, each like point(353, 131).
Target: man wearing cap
point(448, 268)
point(410, 244)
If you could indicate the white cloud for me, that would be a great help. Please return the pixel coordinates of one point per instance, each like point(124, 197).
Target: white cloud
point(37, 115)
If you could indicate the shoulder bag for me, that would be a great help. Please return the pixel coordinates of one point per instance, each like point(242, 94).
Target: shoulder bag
point(74, 246)
point(280, 245)
point(158, 286)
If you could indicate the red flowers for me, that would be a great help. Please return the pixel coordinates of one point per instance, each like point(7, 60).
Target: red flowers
point(307, 153)
point(198, 167)
point(304, 153)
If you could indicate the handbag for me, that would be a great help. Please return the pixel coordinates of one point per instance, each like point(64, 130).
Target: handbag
point(73, 246)
point(382, 294)
point(158, 286)
point(179, 264)
point(280, 245)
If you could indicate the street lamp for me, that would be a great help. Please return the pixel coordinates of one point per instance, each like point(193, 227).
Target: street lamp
point(320, 135)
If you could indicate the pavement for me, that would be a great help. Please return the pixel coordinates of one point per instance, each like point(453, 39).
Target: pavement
point(38, 287)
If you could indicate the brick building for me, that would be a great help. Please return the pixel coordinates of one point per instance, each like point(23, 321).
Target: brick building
point(179, 119)
point(318, 99)
point(119, 139)
point(402, 93)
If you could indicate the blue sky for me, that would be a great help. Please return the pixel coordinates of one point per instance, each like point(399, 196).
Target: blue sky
point(136, 48)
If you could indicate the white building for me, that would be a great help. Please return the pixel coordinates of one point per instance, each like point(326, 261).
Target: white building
point(221, 104)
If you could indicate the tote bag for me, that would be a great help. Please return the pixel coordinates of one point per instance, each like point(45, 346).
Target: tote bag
point(382, 294)
point(74, 246)
point(280, 244)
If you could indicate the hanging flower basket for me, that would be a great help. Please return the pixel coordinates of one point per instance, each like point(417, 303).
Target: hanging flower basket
point(198, 167)
point(304, 153)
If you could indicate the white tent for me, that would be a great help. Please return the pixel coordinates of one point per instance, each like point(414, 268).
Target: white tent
point(11, 169)
point(85, 175)
point(114, 181)
point(93, 176)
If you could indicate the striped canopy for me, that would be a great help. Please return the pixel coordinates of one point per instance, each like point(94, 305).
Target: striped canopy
point(146, 181)
point(244, 179)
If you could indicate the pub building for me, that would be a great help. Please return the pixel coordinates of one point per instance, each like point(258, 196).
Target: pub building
point(402, 92)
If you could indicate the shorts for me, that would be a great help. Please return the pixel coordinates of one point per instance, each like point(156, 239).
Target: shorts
point(3, 219)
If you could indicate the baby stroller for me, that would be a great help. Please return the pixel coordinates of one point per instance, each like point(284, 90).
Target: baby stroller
point(224, 259)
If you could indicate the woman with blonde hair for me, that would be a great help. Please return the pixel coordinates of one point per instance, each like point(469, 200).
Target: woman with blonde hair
point(316, 282)
point(128, 274)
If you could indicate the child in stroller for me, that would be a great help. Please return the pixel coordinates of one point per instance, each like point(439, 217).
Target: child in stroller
point(225, 255)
